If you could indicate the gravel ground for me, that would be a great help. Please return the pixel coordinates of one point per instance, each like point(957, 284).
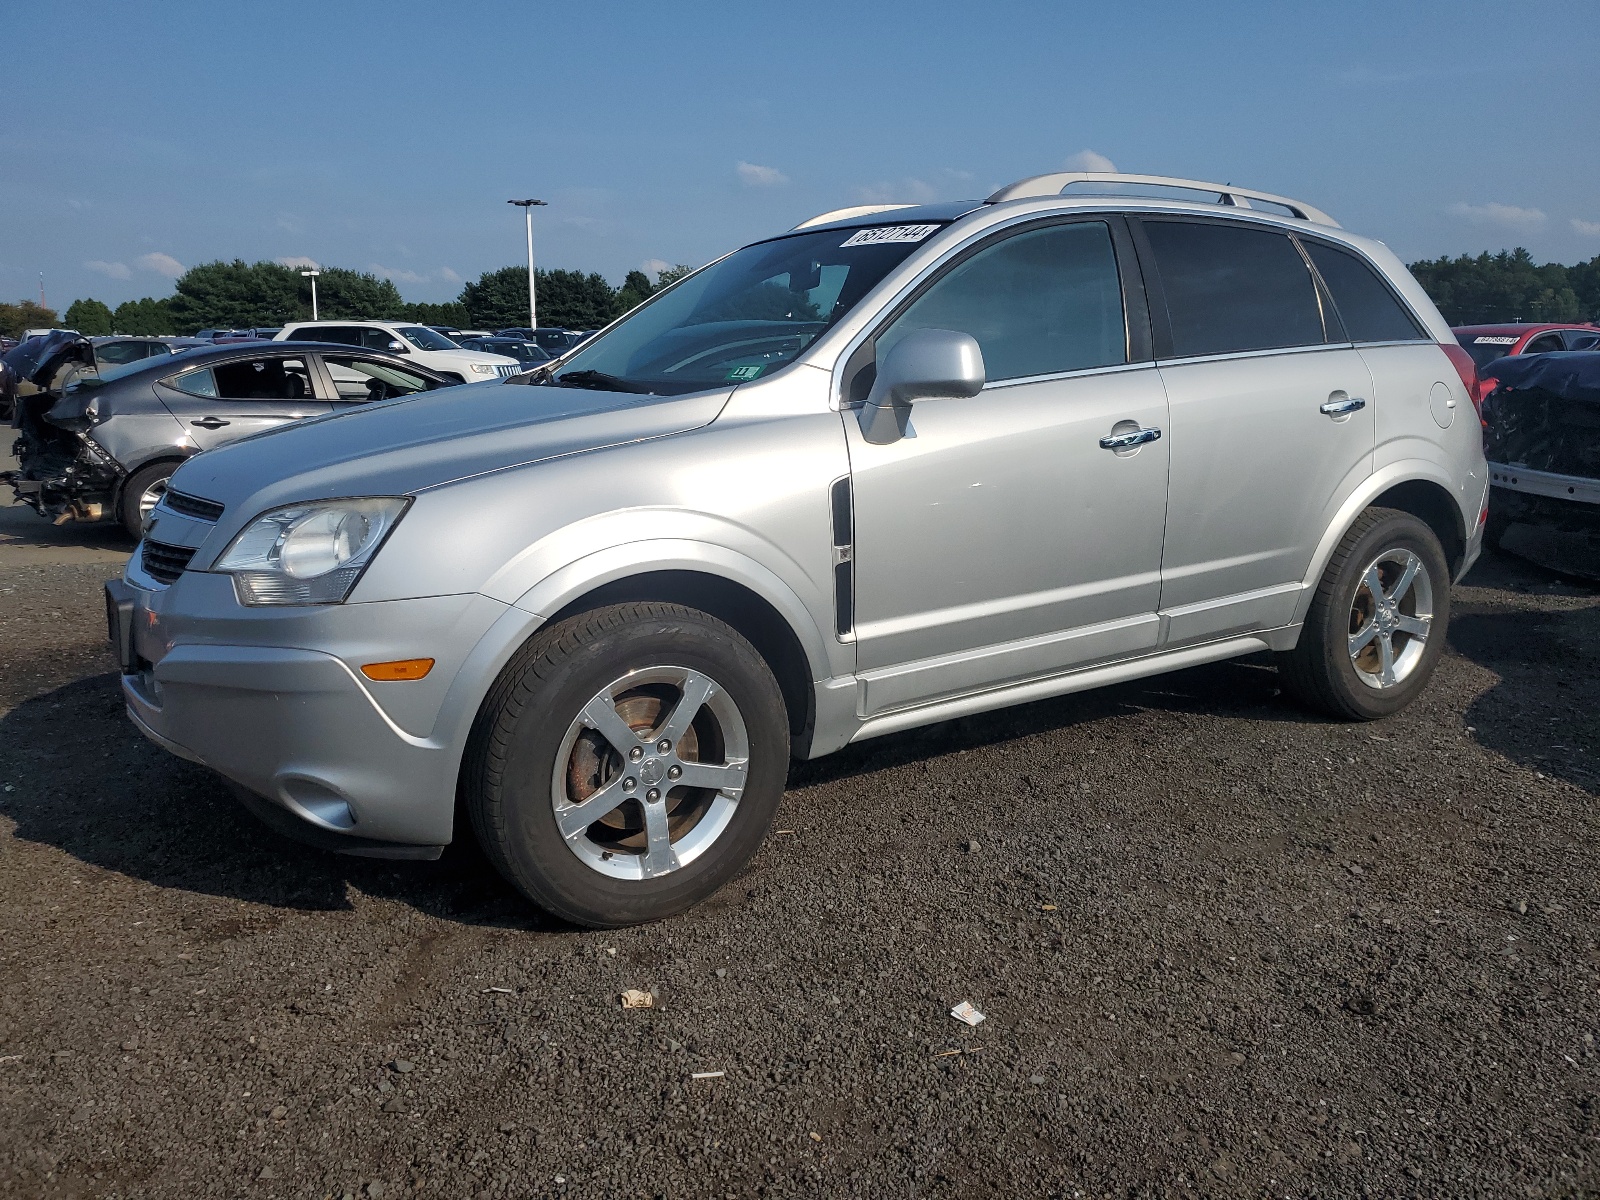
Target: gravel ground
point(1225, 948)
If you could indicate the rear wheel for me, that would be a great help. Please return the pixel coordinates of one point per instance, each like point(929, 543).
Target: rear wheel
point(627, 763)
point(142, 492)
point(1376, 626)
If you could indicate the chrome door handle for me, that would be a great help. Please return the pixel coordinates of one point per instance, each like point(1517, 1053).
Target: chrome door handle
point(1136, 437)
point(210, 423)
point(1338, 408)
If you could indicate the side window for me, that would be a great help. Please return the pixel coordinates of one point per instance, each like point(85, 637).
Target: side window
point(263, 379)
point(1232, 288)
point(1038, 303)
point(1367, 307)
point(1582, 339)
point(197, 383)
point(1544, 344)
point(376, 339)
point(361, 379)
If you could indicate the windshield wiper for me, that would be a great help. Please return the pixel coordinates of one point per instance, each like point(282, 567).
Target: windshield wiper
point(599, 381)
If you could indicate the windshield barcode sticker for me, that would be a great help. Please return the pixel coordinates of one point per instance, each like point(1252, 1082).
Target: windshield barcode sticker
point(1494, 341)
point(888, 233)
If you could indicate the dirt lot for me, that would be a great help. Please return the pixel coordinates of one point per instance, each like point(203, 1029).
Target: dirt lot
point(1225, 948)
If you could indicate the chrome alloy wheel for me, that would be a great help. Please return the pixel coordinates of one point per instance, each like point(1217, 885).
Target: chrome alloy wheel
point(1390, 618)
point(649, 774)
point(151, 497)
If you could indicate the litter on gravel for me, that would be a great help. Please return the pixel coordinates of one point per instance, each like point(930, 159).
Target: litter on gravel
point(707, 1074)
point(502, 991)
point(634, 998)
point(967, 1013)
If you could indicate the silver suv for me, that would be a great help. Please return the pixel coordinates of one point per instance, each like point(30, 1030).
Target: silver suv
point(894, 466)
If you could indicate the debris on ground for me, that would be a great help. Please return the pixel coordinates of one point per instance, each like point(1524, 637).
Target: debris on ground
point(634, 998)
point(966, 1012)
point(707, 1074)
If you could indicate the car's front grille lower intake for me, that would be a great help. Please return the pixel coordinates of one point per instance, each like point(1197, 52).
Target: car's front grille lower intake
point(164, 563)
point(193, 506)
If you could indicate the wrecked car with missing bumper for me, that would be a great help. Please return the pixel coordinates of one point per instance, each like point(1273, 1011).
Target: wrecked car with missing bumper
point(1542, 440)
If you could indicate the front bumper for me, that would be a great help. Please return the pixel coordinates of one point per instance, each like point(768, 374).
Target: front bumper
point(272, 699)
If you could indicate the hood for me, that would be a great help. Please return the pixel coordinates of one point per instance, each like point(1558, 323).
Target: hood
point(400, 447)
point(482, 356)
point(37, 358)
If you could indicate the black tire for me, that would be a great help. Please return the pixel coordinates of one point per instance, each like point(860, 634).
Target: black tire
point(135, 486)
point(1320, 671)
point(509, 774)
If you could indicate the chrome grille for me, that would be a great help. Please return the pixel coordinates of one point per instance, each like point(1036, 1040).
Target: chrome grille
point(193, 506)
point(507, 370)
point(164, 563)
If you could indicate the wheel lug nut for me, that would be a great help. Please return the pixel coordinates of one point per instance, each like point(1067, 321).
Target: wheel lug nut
point(636, 753)
point(629, 784)
point(652, 795)
point(664, 746)
point(674, 772)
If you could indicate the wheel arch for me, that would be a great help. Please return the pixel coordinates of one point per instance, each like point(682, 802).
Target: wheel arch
point(1431, 504)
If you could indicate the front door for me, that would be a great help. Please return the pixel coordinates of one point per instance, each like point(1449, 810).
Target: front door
point(1271, 424)
point(226, 401)
point(999, 540)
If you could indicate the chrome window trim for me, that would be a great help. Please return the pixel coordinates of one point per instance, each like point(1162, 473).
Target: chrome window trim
point(1237, 354)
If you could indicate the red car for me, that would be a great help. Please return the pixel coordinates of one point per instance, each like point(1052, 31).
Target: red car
point(1488, 342)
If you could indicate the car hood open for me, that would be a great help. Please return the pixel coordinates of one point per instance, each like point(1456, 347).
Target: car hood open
point(401, 447)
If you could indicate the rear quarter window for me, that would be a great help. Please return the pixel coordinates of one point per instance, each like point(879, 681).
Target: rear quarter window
point(1233, 288)
point(1369, 310)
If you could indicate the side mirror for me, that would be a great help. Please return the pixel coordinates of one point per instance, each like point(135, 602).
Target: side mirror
point(397, 348)
point(923, 365)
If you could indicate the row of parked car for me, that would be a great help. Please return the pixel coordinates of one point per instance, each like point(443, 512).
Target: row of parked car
point(103, 422)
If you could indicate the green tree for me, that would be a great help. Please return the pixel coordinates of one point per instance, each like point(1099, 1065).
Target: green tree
point(670, 275)
point(1508, 286)
point(636, 289)
point(571, 299)
point(453, 313)
point(25, 314)
point(237, 295)
point(147, 317)
point(346, 295)
point(89, 317)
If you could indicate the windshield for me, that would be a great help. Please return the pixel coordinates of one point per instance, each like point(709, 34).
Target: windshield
point(426, 339)
point(744, 316)
point(1485, 348)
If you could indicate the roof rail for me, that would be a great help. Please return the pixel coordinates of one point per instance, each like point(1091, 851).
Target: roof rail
point(1055, 183)
point(840, 214)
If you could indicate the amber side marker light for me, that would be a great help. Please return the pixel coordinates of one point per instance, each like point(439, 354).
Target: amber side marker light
point(401, 669)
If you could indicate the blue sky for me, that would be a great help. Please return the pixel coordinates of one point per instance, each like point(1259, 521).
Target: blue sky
point(139, 139)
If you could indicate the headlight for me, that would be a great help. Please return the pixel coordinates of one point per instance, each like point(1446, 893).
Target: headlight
point(309, 553)
point(483, 368)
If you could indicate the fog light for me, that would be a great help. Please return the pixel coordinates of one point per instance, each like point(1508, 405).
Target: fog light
point(400, 669)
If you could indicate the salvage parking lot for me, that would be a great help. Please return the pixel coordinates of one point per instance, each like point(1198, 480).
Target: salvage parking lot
point(1224, 948)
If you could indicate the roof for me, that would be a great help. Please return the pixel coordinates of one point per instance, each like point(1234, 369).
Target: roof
point(1513, 328)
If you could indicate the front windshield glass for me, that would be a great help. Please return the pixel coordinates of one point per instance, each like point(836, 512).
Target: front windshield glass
point(426, 339)
point(742, 317)
point(108, 373)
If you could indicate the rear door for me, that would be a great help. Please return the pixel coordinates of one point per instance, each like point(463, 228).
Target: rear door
point(362, 378)
point(1271, 424)
point(224, 401)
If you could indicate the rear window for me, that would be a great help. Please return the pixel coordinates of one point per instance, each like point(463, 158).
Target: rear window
point(1367, 307)
point(1487, 347)
point(1233, 288)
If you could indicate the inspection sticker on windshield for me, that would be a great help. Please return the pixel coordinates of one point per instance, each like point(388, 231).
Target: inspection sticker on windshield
point(888, 233)
point(745, 372)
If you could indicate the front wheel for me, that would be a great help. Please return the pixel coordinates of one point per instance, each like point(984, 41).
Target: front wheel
point(1376, 626)
point(141, 493)
point(627, 763)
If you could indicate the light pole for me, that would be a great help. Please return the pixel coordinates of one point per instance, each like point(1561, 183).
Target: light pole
point(527, 207)
point(312, 275)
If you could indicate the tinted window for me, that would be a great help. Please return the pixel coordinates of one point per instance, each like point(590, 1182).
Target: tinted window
point(263, 379)
point(1578, 339)
point(115, 353)
point(378, 339)
point(1038, 303)
point(1544, 344)
point(350, 335)
point(1367, 307)
point(1233, 288)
